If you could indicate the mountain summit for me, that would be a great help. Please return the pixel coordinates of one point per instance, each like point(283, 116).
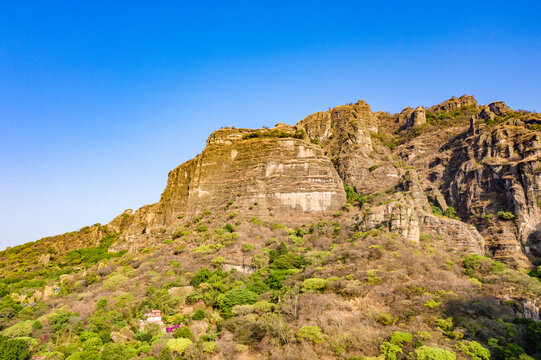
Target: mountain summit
point(325, 238)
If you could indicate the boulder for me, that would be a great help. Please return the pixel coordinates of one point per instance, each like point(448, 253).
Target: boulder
point(123, 335)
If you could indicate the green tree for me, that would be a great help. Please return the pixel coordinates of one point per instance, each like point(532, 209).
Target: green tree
point(236, 297)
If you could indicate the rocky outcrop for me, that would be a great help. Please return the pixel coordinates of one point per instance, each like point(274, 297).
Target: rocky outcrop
point(454, 103)
point(500, 172)
point(346, 133)
point(266, 173)
point(408, 213)
point(122, 336)
point(417, 118)
point(499, 108)
point(411, 119)
point(295, 173)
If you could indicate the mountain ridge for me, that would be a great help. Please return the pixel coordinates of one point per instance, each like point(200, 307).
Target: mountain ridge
point(349, 235)
point(350, 138)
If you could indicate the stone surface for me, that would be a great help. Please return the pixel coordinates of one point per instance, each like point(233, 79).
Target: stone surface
point(284, 176)
point(479, 160)
point(455, 103)
point(416, 119)
point(501, 170)
point(499, 108)
point(122, 336)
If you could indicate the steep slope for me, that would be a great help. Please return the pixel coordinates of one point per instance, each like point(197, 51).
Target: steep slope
point(351, 234)
point(479, 160)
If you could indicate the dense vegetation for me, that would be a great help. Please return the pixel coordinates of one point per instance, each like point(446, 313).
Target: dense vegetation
point(321, 290)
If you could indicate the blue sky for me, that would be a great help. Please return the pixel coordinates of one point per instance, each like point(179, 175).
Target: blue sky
point(100, 99)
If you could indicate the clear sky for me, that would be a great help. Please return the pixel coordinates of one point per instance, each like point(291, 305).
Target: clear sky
point(100, 99)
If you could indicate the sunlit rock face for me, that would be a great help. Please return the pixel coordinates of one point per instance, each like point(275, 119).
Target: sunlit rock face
point(265, 176)
point(477, 159)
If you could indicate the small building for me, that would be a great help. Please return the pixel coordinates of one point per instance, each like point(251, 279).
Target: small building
point(154, 317)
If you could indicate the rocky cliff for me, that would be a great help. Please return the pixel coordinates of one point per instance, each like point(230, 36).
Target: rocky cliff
point(356, 226)
point(479, 165)
point(458, 170)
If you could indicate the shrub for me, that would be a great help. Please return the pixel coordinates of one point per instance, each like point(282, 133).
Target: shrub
point(201, 276)
point(471, 263)
point(353, 198)
point(101, 304)
point(179, 232)
point(433, 353)
point(436, 210)
point(287, 261)
point(242, 310)
point(389, 350)
point(112, 351)
point(498, 267)
point(445, 324)
point(450, 212)
point(276, 278)
point(258, 286)
point(247, 247)
point(37, 325)
point(194, 297)
point(432, 303)
point(183, 332)
point(60, 320)
point(314, 284)
point(474, 350)
point(384, 318)
point(514, 352)
point(90, 255)
point(218, 261)
point(114, 282)
point(506, 215)
point(400, 338)
point(178, 345)
point(22, 328)
point(260, 260)
point(372, 277)
point(236, 297)
point(310, 334)
point(198, 315)
point(93, 344)
point(14, 349)
point(245, 331)
point(209, 347)
point(143, 336)
point(423, 335)
point(202, 228)
point(264, 306)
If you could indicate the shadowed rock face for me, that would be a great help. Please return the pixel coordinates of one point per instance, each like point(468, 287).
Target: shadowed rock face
point(501, 171)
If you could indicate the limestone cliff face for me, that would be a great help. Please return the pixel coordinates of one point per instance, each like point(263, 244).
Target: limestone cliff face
point(478, 159)
point(345, 133)
point(500, 170)
point(270, 176)
point(407, 212)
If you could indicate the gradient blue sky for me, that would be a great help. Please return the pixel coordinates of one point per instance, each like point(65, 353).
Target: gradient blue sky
point(100, 99)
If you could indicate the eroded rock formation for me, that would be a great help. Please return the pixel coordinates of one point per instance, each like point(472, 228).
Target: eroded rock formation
point(477, 164)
